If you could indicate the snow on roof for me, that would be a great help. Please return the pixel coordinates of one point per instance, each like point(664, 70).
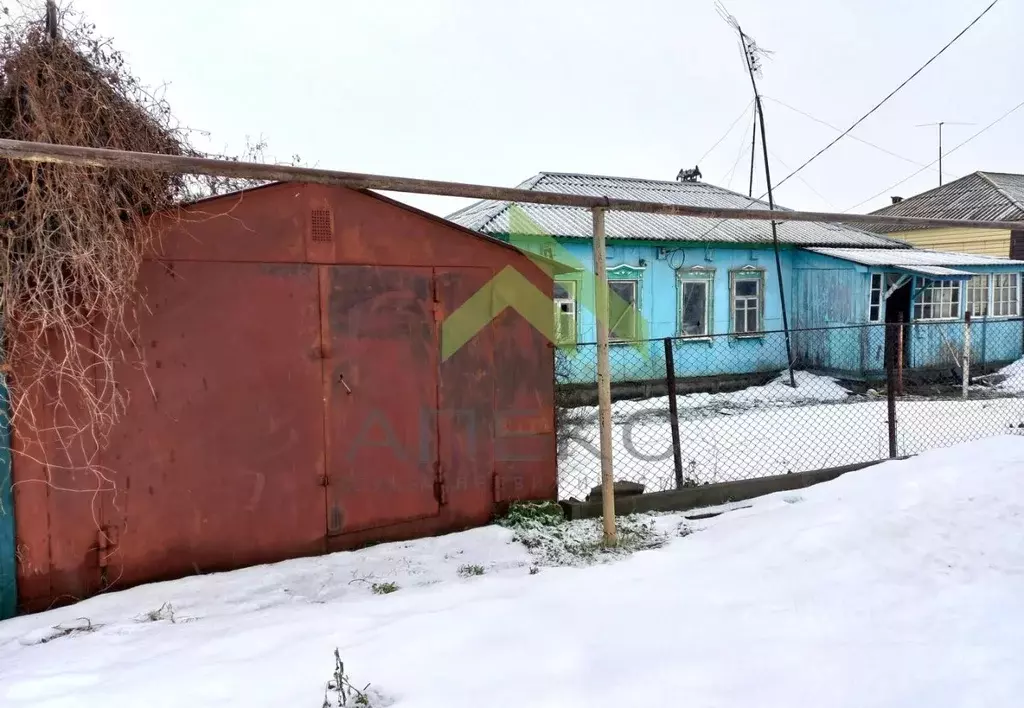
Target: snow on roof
point(495, 217)
point(912, 257)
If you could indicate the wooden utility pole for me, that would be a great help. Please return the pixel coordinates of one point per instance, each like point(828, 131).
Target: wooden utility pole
point(750, 54)
point(753, 153)
point(604, 382)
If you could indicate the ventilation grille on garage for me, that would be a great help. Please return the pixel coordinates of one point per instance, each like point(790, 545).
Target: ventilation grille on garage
point(323, 225)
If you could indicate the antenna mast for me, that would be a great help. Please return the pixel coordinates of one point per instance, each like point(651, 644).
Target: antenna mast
point(940, 124)
point(753, 56)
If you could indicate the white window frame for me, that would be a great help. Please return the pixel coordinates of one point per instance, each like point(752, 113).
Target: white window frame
point(634, 335)
point(981, 282)
point(876, 310)
point(705, 277)
point(747, 275)
point(1005, 298)
point(929, 287)
point(566, 305)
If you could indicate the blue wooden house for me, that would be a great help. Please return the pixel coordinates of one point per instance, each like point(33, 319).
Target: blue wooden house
point(713, 285)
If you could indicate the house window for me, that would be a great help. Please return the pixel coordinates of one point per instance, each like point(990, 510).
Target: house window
point(875, 308)
point(937, 299)
point(747, 298)
point(977, 296)
point(565, 312)
point(695, 309)
point(623, 311)
point(1005, 294)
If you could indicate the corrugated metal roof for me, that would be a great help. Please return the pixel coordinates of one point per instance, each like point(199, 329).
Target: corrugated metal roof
point(912, 258)
point(980, 195)
point(937, 272)
point(496, 217)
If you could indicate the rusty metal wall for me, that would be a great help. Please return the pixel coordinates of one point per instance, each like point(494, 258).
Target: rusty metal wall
point(293, 401)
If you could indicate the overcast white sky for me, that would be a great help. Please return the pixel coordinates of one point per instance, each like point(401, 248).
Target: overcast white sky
point(494, 92)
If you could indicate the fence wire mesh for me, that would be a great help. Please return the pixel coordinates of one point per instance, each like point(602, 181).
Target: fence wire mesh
point(739, 415)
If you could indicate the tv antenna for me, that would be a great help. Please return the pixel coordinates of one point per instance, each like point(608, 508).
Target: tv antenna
point(940, 124)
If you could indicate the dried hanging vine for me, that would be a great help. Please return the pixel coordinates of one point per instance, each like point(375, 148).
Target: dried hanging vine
point(72, 239)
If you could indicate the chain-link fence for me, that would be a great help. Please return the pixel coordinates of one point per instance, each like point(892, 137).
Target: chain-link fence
point(694, 411)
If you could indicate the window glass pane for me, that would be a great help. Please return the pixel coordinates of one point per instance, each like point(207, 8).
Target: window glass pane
point(563, 290)
point(977, 295)
point(694, 307)
point(622, 309)
point(938, 299)
point(746, 288)
point(751, 320)
point(625, 289)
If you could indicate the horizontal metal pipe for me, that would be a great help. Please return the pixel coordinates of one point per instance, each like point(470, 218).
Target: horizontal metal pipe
point(178, 164)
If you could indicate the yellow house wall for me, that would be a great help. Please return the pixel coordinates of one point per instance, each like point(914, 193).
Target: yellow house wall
point(985, 242)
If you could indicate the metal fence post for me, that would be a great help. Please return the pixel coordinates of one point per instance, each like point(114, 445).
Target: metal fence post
point(966, 370)
point(890, 390)
point(899, 354)
point(673, 412)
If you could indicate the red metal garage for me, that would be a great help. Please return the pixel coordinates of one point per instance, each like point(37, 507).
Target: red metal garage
point(293, 400)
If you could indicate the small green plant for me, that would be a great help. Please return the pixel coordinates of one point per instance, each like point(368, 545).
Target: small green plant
point(340, 691)
point(384, 588)
point(468, 571)
point(533, 515)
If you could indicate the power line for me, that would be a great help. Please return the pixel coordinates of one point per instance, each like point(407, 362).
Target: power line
point(805, 114)
point(862, 118)
point(946, 154)
point(807, 184)
point(743, 151)
point(891, 94)
point(731, 126)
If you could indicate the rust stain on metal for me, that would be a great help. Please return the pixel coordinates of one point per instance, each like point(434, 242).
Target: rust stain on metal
point(300, 406)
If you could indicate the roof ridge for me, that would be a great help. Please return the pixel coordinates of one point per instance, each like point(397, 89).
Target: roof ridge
point(890, 207)
point(985, 176)
point(669, 183)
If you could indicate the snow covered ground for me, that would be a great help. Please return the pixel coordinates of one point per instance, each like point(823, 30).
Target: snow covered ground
point(895, 586)
point(773, 429)
point(1014, 377)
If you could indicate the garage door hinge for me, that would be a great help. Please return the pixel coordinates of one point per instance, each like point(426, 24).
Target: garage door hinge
point(324, 480)
point(438, 311)
point(105, 542)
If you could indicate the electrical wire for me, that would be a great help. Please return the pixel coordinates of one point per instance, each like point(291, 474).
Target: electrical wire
point(805, 114)
point(945, 154)
point(743, 150)
point(865, 116)
point(891, 94)
point(807, 184)
point(727, 132)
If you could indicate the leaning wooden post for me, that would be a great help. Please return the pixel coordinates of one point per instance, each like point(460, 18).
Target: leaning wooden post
point(604, 382)
point(967, 354)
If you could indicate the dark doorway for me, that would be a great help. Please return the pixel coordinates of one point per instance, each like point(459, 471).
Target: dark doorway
point(897, 311)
